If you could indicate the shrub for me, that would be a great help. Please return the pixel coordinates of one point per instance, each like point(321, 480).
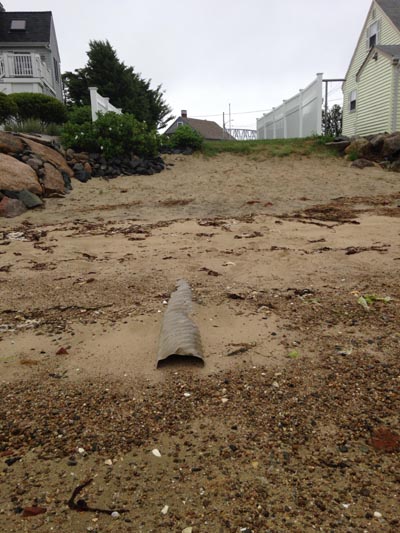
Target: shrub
point(8, 108)
point(112, 135)
point(185, 137)
point(40, 107)
point(32, 125)
point(79, 114)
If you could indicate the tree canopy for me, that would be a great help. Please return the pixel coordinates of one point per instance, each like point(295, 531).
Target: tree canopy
point(125, 88)
point(332, 124)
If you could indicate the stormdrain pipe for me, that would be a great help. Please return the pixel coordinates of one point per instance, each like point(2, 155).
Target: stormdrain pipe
point(179, 334)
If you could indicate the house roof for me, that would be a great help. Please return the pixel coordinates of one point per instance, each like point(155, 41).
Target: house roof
point(208, 129)
point(389, 49)
point(392, 10)
point(38, 25)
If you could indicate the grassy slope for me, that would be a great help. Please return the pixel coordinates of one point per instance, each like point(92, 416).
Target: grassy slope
point(272, 148)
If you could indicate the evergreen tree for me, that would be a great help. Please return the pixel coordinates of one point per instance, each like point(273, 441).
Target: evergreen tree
point(125, 88)
point(332, 125)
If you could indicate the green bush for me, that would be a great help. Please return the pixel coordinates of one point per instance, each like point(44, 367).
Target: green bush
point(185, 137)
point(79, 114)
point(112, 135)
point(40, 107)
point(8, 108)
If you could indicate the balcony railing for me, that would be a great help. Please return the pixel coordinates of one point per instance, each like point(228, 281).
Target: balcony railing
point(24, 66)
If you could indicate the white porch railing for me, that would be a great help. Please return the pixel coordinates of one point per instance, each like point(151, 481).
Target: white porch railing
point(24, 66)
point(101, 104)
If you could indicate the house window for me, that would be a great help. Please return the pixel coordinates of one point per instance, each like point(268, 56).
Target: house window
point(353, 101)
point(373, 35)
point(18, 25)
point(180, 123)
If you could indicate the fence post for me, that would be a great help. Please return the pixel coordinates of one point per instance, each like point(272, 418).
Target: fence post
point(93, 102)
point(319, 100)
point(301, 113)
point(284, 120)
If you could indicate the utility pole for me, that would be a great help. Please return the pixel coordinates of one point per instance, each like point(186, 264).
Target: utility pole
point(230, 120)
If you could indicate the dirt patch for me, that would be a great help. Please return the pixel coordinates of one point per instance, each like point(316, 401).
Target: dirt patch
point(291, 425)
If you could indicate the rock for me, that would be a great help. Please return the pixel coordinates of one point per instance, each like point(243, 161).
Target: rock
point(16, 176)
point(82, 176)
point(10, 144)
point(34, 163)
point(339, 146)
point(360, 147)
point(87, 167)
point(33, 511)
point(67, 180)
point(391, 145)
point(52, 181)
point(377, 142)
point(362, 163)
point(10, 208)
point(70, 153)
point(29, 199)
point(83, 157)
point(156, 452)
point(385, 440)
point(50, 155)
point(394, 166)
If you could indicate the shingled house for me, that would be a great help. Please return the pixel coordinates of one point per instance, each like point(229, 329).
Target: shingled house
point(208, 129)
point(29, 55)
point(371, 92)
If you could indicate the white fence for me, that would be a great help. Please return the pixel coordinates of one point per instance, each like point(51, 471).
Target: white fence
point(301, 116)
point(100, 104)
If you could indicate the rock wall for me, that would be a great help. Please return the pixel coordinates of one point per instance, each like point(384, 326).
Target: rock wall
point(382, 150)
point(35, 168)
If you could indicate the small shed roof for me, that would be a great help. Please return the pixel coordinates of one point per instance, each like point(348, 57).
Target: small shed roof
point(389, 49)
point(37, 27)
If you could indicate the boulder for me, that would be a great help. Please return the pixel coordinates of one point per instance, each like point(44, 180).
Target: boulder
point(362, 163)
point(11, 208)
point(377, 142)
point(16, 176)
point(34, 163)
point(360, 147)
point(29, 199)
point(50, 155)
point(10, 144)
point(391, 146)
point(339, 146)
point(52, 181)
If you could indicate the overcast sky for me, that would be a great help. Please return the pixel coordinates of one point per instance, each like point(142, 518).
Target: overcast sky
point(207, 54)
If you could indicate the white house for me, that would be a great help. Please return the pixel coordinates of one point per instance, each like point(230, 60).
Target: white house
point(29, 55)
point(371, 92)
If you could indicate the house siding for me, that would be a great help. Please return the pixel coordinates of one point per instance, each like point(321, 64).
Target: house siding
point(374, 114)
point(388, 34)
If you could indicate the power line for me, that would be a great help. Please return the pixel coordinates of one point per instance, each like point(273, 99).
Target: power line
point(237, 113)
